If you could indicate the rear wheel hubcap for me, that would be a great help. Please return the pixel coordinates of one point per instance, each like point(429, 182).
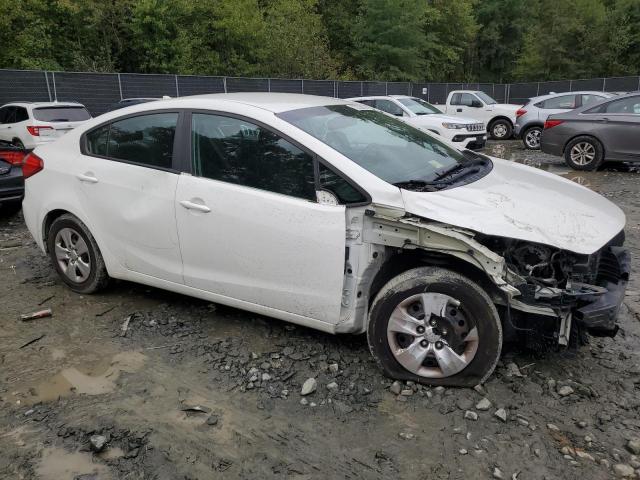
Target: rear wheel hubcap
point(583, 153)
point(533, 138)
point(72, 254)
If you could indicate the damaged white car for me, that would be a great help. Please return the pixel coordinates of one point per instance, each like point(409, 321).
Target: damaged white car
point(332, 215)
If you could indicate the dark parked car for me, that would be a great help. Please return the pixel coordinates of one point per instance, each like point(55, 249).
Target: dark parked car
point(11, 179)
point(587, 136)
point(127, 102)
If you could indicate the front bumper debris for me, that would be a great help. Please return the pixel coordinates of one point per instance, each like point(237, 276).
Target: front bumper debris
point(598, 314)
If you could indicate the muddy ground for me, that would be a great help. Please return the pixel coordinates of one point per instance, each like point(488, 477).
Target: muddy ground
point(81, 377)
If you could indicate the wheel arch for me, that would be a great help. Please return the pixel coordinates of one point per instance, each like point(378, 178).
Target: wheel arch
point(499, 117)
point(398, 262)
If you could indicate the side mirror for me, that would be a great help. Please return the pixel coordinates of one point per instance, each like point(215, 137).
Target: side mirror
point(325, 197)
point(476, 103)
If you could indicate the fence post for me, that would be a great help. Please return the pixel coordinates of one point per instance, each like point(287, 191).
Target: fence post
point(386, 88)
point(604, 84)
point(538, 90)
point(335, 88)
point(302, 84)
point(177, 89)
point(120, 87)
point(55, 93)
point(361, 88)
point(269, 84)
point(46, 78)
point(224, 83)
point(571, 85)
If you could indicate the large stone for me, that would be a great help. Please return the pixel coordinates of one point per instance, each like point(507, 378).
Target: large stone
point(470, 415)
point(309, 386)
point(97, 442)
point(623, 471)
point(483, 404)
point(565, 391)
point(633, 445)
point(501, 413)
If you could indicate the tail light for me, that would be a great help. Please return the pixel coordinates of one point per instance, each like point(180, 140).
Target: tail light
point(35, 130)
point(520, 112)
point(14, 157)
point(552, 123)
point(31, 165)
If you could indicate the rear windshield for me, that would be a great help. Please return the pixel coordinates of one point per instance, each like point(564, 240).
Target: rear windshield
point(61, 114)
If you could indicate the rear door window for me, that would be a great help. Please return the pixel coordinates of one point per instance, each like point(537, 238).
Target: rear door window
point(61, 114)
point(588, 98)
point(627, 106)
point(563, 102)
point(144, 139)
point(21, 114)
point(389, 107)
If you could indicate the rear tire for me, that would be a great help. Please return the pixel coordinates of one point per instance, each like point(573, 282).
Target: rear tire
point(531, 138)
point(500, 129)
point(75, 255)
point(584, 153)
point(410, 342)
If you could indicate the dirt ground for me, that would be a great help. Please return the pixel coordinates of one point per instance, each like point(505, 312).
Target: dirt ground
point(198, 391)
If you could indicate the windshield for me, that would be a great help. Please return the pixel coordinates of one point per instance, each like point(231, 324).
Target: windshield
point(485, 98)
point(418, 106)
point(61, 114)
point(389, 148)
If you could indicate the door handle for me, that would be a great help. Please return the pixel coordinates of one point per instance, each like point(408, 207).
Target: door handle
point(195, 206)
point(87, 178)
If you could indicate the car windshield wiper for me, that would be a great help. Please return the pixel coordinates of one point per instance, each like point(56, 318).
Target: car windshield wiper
point(417, 185)
point(464, 168)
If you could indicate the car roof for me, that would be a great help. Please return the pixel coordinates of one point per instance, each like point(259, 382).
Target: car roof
point(382, 97)
point(562, 94)
point(273, 102)
point(42, 104)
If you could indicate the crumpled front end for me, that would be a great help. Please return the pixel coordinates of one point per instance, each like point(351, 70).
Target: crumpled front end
point(586, 290)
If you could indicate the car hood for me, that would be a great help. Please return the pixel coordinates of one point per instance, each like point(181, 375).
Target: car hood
point(520, 202)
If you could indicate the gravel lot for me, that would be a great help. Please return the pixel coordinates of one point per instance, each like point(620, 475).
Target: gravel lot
point(193, 390)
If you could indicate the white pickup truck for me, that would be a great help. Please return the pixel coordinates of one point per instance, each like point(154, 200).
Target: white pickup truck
point(500, 118)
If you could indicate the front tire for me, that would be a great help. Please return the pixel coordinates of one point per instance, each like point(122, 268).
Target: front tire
point(75, 255)
point(531, 138)
point(501, 129)
point(434, 326)
point(584, 153)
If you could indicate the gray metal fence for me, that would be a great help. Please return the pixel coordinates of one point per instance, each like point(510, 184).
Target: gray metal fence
point(100, 90)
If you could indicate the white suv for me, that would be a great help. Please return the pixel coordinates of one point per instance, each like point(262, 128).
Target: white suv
point(462, 132)
point(27, 125)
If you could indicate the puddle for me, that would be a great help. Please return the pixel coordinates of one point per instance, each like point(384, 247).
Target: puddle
point(58, 464)
point(96, 381)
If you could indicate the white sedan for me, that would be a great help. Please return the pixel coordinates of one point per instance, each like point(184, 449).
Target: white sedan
point(462, 132)
point(333, 215)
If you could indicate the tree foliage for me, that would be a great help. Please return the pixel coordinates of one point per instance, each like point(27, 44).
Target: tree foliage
point(435, 40)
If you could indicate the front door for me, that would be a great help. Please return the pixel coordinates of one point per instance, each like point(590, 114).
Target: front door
point(249, 225)
point(128, 186)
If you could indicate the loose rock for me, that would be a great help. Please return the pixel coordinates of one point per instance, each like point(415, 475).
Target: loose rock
point(483, 404)
point(309, 386)
point(501, 413)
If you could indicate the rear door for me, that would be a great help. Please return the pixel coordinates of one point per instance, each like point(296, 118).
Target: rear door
point(617, 126)
point(127, 179)
point(249, 224)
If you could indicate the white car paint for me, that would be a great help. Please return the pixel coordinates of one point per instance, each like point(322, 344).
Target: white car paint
point(281, 256)
point(447, 126)
point(486, 112)
point(521, 202)
point(29, 128)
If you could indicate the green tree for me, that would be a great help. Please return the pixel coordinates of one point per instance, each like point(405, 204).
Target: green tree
point(389, 40)
point(450, 29)
point(502, 26)
point(567, 40)
point(339, 17)
point(296, 41)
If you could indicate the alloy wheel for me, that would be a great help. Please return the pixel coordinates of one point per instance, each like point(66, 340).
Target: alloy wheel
point(72, 254)
point(532, 138)
point(583, 153)
point(430, 335)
